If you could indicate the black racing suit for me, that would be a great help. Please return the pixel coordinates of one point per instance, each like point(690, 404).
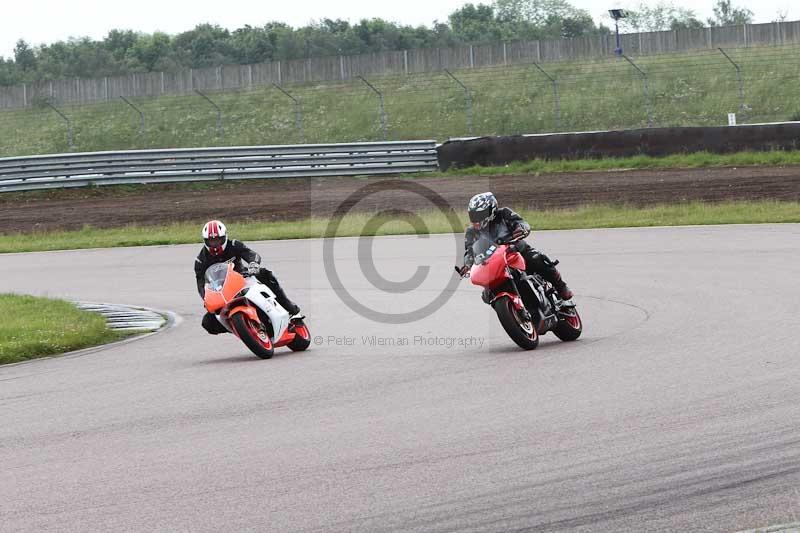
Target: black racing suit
point(242, 256)
point(502, 227)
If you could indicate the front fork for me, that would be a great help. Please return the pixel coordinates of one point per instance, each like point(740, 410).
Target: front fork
point(489, 297)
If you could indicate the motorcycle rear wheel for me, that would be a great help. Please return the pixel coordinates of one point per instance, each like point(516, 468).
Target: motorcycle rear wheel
point(302, 338)
point(522, 332)
point(252, 336)
point(569, 327)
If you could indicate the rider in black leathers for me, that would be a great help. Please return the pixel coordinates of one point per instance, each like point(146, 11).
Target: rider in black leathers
point(218, 249)
point(502, 223)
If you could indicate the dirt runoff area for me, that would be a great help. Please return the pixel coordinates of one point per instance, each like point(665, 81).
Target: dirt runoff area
point(292, 199)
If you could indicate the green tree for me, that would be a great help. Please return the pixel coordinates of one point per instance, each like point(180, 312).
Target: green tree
point(24, 56)
point(546, 19)
point(475, 23)
point(150, 51)
point(726, 14)
point(659, 17)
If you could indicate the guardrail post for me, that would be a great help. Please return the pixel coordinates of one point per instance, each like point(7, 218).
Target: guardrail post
point(220, 129)
point(298, 112)
point(646, 86)
point(69, 125)
point(381, 108)
point(141, 115)
point(556, 98)
point(742, 105)
point(467, 100)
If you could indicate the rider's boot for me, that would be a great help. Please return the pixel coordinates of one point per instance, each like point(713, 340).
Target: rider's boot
point(268, 278)
point(291, 307)
point(563, 291)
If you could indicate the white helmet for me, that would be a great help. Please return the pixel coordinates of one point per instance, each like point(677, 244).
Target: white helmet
point(215, 237)
point(482, 209)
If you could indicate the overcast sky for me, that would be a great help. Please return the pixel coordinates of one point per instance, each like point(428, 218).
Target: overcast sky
point(47, 21)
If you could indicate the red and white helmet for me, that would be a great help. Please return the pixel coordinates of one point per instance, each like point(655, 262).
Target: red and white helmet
point(215, 237)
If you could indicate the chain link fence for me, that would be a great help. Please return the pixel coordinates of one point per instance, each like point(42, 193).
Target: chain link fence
point(691, 89)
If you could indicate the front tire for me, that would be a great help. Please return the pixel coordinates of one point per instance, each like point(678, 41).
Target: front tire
point(521, 331)
point(569, 327)
point(253, 335)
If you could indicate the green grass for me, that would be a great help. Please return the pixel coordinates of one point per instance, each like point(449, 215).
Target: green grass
point(39, 327)
point(697, 88)
point(597, 216)
point(696, 160)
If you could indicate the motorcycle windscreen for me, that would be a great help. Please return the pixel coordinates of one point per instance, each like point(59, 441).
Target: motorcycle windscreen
point(483, 249)
point(491, 272)
point(223, 283)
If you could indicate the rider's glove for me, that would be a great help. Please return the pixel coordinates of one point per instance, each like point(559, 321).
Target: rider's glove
point(253, 268)
point(518, 234)
point(464, 270)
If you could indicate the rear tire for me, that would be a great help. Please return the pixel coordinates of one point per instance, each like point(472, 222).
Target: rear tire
point(302, 338)
point(521, 332)
point(256, 340)
point(569, 327)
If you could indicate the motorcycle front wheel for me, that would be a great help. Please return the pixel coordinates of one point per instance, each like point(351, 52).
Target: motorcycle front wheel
point(523, 332)
point(253, 335)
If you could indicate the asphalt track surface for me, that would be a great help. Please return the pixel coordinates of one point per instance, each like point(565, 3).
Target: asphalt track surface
point(679, 408)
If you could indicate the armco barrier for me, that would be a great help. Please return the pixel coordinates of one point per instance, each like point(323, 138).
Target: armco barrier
point(208, 164)
point(492, 151)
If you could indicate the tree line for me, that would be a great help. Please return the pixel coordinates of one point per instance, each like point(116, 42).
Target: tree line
point(123, 52)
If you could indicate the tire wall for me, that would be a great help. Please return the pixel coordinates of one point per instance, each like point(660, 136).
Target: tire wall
point(493, 151)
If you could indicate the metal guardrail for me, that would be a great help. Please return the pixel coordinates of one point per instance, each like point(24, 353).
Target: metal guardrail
point(211, 164)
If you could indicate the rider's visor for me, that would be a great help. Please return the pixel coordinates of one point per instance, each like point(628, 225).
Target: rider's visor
point(479, 216)
point(215, 242)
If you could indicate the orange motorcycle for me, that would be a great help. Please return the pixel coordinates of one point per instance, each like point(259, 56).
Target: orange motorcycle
point(248, 309)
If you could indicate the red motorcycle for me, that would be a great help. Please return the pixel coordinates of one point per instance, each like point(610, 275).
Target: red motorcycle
point(526, 304)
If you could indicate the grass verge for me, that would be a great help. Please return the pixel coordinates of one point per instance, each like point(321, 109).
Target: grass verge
point(641, 162)
point(595, 216)
point(38, 327)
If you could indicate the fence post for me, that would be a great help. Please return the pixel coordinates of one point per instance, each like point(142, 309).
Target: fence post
point(105, 87)
point(220, 129)
point(280, 75)
point(191, 79)
point(298, 113)
point(556, 99)
point(646, 86)
point(405, 61)
point(69, 125)
point(163, 83)
point(467, 100)
point(742, 106)
point(381, 108)
point(249, 75)
point(141, 115)
point(24, 95)
point(471, 56)
point(341, 67)
point(505, 53)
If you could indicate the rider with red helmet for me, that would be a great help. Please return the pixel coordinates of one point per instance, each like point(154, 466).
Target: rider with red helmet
point(504, 224)
point(217, 248)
